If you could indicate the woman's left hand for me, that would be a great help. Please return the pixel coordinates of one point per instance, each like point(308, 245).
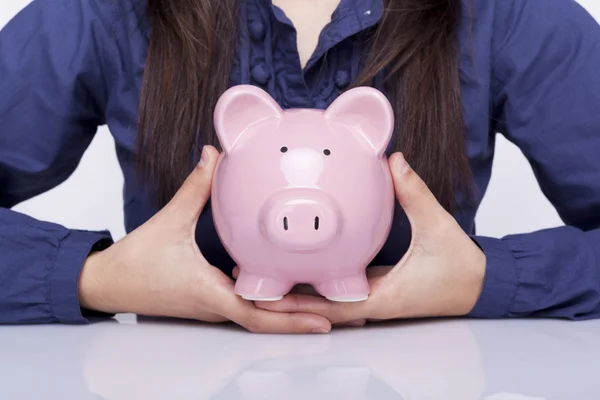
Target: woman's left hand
point(440, 275)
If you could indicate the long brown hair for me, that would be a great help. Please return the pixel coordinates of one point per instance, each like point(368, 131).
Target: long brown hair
point(189, 61)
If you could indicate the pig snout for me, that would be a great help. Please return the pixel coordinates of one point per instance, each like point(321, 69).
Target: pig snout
point(300, 220)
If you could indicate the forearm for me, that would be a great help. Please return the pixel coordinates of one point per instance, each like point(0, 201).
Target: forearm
point(101, 286)
point(551, 273)
point(40, 264)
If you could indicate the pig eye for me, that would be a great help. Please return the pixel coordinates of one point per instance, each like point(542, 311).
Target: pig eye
point(284, 149)
point(326, 152)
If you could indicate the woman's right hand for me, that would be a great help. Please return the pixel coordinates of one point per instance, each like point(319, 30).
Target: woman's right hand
point(158, 270)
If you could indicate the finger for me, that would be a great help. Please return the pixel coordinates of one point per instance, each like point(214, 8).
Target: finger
point(254, 319)
point(236, 272)
point(335, 312)
point(417, 201)
point(357, 323)
point(257, 320)
point(191, 198)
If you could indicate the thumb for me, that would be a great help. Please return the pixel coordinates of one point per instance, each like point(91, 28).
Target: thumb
point(415, 198)
point(191, 198)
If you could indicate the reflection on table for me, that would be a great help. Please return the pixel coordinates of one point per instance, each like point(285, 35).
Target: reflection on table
point(437, 359)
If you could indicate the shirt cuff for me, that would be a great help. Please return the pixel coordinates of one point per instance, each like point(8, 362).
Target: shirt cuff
point(500, 281)
point(64, 278)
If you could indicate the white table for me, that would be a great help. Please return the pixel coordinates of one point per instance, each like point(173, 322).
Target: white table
point(452, 359)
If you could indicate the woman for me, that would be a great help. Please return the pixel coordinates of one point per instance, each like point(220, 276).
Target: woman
point(456, 71)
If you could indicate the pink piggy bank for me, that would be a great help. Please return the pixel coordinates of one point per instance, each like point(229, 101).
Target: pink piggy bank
point(303, 195)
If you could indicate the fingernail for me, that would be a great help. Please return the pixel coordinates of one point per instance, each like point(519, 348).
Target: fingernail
point(203, 157)
point(320, 330)
point(401, 164)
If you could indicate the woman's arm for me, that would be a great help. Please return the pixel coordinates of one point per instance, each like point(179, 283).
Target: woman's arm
point(52, 99)
point(547, 102)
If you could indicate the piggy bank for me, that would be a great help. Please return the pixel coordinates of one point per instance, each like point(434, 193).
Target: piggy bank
point(303, 195)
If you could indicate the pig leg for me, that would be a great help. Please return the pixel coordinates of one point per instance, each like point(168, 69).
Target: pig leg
point(348, 289)
point(258, 287)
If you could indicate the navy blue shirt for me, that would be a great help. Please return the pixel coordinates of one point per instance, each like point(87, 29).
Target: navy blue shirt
point(530, 70)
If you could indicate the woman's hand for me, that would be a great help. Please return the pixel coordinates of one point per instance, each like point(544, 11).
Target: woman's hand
point(158, 270)
point(441, 274)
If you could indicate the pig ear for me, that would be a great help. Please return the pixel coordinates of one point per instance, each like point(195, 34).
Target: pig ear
point(238, 108)
point(367, 110)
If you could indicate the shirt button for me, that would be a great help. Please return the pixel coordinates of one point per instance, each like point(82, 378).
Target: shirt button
point(342, 79)
point(261, 74)
point(257, 30)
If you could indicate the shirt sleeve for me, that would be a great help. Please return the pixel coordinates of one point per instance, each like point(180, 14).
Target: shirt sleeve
point(52, 99)
point(547, 101)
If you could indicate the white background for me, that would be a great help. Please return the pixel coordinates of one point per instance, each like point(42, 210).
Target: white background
point(91, 197)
